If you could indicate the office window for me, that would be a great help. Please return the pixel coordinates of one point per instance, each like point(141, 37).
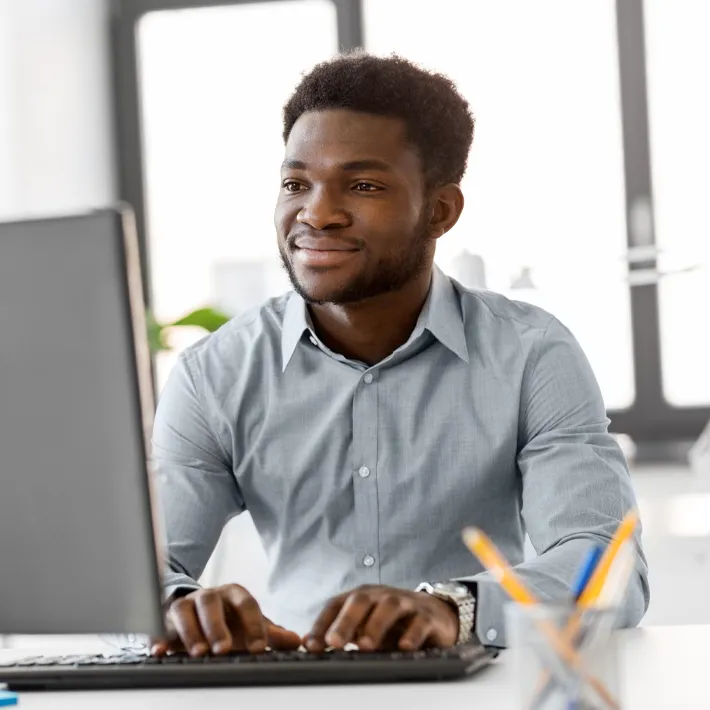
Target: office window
point(678, 58)
point(544, 190)
point(212, 84)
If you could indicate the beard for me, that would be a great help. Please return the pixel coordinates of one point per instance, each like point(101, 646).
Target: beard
point(387, 274)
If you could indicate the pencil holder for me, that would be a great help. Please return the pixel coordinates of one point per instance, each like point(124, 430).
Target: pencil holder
point(564, 658)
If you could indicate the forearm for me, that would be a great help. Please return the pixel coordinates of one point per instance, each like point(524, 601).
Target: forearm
point(549, 577)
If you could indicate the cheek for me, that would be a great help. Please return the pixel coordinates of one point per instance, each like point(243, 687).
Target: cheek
point(283, 217)
point(401, 218)
point(394, 231)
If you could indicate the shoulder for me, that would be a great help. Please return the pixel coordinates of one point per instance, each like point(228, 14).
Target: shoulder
point(257, 329)
point(507, 325)
point(496, 308)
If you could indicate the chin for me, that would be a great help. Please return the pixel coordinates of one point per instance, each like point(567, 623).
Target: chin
point(320, 295)
point(320, 288)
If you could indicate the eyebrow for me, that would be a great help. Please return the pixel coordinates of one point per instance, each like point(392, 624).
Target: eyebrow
point(351, 166)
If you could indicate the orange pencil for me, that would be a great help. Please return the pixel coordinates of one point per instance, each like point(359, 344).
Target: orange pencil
point(623, 533)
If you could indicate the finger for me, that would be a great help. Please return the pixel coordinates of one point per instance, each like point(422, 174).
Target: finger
point(417, 633)
point(390, 609)
point(210, 613)
point(183, 617)
point(170, 644)
point(314, 640)
point(350, 619)
point(251, 620)
point(159, 647)
point(281, 639)
point(176, 646)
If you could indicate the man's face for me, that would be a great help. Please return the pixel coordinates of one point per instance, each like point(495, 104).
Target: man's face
point(351, 218)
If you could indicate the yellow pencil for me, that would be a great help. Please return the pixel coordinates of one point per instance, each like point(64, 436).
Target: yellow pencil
point(491, 558)
point(593, 589)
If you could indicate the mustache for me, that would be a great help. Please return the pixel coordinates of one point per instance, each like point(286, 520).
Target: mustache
point(349, 242)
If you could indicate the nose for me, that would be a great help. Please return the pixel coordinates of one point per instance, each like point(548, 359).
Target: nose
point(322, 210)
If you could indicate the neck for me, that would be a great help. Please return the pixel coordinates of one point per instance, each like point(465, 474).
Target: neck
point(374, 328)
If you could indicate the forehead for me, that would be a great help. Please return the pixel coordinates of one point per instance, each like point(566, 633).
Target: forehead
point(328, 138)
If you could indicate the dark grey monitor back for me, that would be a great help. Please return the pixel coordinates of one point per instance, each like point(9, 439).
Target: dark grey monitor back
point(77, 548)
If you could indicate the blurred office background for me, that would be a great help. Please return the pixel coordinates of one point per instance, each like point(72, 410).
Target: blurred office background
point(587, 188)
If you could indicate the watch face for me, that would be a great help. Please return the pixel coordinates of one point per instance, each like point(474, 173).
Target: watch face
point(452, 588)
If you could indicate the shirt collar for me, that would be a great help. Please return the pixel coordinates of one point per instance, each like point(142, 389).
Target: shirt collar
point(295, 323)
point(441, 316)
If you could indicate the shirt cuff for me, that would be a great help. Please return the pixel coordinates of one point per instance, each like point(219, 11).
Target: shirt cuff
point(489, 619)
point(174, 591)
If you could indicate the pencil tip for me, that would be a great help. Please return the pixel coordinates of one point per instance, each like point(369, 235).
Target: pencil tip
point(470, 535)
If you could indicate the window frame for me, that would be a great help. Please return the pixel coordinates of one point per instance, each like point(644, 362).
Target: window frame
point(651, 418)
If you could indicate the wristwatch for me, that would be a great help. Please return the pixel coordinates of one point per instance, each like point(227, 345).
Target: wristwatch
point(459, 595)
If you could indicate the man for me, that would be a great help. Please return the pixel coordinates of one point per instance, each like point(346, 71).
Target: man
point(367, 417)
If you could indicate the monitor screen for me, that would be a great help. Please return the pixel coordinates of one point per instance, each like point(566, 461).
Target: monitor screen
point(77, 548)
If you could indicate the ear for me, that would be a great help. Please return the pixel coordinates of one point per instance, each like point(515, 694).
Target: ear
point(446, 207)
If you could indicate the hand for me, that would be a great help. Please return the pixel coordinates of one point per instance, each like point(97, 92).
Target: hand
point(220, 620)
point(376, 617)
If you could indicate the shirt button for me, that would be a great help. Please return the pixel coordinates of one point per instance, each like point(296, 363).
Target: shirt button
point(367, 378)
point(491, 634)
point(368, 560)
point(364, 471)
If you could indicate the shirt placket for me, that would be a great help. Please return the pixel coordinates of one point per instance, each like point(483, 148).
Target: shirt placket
point(364, 473)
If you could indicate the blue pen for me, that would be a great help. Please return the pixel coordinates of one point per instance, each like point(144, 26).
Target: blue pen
point(7, 698)
point(585, 574)
point(586, 571)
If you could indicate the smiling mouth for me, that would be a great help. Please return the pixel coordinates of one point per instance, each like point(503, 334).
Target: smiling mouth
point(322, 257)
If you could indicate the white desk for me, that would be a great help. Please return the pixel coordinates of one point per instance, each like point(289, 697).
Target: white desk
point(662, 668)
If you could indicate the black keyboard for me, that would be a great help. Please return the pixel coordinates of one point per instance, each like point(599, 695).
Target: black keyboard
point(132, 670)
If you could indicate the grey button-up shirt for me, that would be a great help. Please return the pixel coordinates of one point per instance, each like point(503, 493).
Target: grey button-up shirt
point(489, 415)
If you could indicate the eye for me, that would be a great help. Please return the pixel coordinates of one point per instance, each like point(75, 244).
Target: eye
point(291, 186)
point(366, 187)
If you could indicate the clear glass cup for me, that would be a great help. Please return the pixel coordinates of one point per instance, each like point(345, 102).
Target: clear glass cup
point(564, 659)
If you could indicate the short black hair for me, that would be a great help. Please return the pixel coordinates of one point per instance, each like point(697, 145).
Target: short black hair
point(439, 121)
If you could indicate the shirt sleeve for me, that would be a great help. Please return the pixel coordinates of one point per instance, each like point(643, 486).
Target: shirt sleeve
point(576, 486)
point(197, 491)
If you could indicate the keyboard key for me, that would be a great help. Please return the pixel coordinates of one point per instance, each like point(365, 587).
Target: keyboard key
point(130, 660)
point(242, 658)
point(263, 658)
point(281, 655)
point(69, 660)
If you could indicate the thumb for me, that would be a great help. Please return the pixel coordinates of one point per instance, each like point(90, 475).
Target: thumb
point(281, 639)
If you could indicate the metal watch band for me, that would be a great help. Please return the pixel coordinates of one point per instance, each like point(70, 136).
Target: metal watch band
point(467, 614)
point(466, 605)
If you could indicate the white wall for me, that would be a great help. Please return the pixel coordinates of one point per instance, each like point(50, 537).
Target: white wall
point(56, 133)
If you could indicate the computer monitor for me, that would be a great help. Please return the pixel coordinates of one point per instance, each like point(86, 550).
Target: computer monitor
point(78, 552)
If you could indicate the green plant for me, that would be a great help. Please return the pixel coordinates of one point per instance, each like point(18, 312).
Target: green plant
point(207, 318)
